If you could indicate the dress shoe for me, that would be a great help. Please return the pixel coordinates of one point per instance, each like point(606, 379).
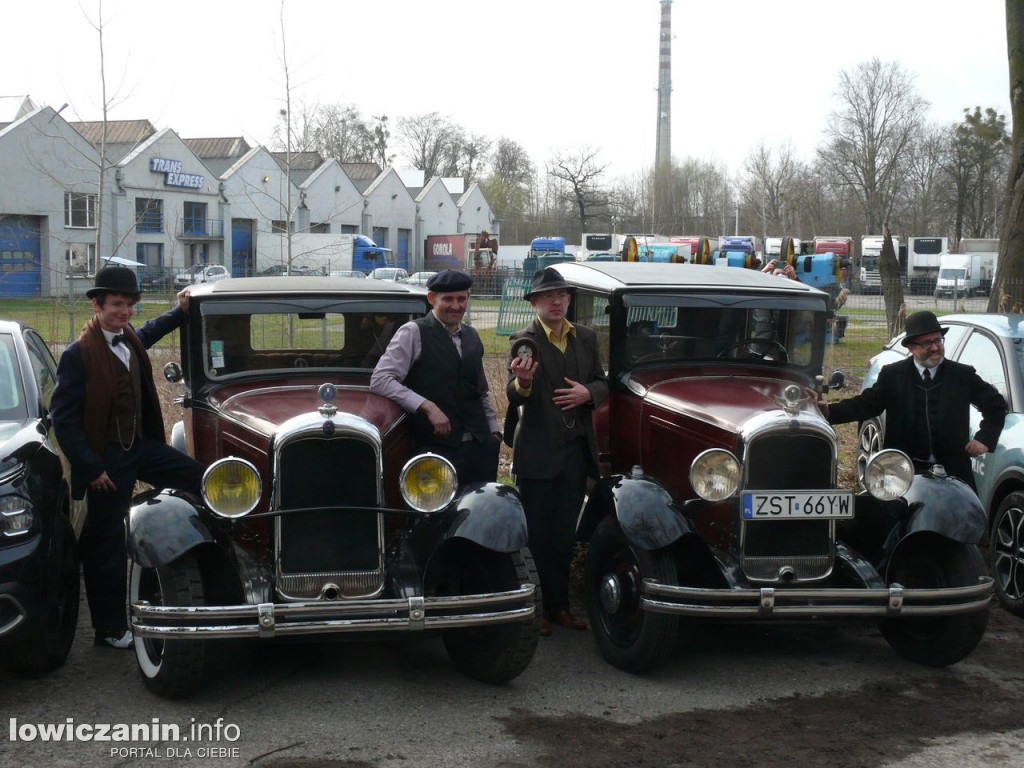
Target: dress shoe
point(120, 640)
point(545, 628)
point(567, 620)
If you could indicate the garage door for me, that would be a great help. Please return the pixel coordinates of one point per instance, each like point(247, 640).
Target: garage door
point(19, 256)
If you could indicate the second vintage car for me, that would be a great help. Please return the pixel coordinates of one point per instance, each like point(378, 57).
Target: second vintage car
point(317, 516)
point(719, 497)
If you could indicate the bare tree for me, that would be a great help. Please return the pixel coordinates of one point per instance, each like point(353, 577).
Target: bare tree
point(427, 141)
point(770, 177)
point(870, 134)
point(925, 180)
point(509, 186)
point(580, 174)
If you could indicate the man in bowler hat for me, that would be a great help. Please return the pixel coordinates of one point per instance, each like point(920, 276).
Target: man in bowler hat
point(433, 368)
point(556, 391)
point(927, 400)
point(107, 419)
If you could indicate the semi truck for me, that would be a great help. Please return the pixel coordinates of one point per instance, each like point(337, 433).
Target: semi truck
point(316, 253)
point(869, 279)
point(611, 242)
point(455, 252)
point(739, 250)
point(923, 257)
point(842, 247)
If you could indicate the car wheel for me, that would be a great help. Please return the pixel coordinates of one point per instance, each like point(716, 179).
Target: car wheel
point(1007, 547)
point(627, 636)
point(932, 562)
point(497, 653)
point(170, 668)
point(48, 649)
point(870, 437)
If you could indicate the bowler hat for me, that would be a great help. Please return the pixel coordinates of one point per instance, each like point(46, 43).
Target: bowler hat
point(449, 280)
point(547, 279)
point(920, 323)
point(115, 280)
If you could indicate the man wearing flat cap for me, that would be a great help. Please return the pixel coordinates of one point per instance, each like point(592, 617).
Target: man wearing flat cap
point(927, 400)
point(555, 381)
point(433, 368)
point(107, 419)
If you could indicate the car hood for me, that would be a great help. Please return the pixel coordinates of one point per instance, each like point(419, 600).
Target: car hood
point(725, 401)
point(263, 409)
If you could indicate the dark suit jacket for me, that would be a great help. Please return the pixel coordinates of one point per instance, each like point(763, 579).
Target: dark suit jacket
point(960, 386)
point(68, 403)
point(541, 421)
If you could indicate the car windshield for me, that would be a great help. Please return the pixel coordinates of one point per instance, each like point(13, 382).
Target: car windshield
point(12, 403)
point(257, 337)
point(667, 329)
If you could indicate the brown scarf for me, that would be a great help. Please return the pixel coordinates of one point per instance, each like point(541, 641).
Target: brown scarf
point(101, 379)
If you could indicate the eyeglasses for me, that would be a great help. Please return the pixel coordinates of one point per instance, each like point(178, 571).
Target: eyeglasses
point(554, 295)
point(926, 344)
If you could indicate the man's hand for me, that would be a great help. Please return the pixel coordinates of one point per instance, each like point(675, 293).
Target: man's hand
point(573, 397)
point(183, 298)
point(819, 399)
point(524, 368)
point(438, 420)
point(974, 448)
point(103, 484)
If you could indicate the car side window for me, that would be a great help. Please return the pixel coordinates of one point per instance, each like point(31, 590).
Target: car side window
point(592, 311)
point(983, 355)
point(43, 370)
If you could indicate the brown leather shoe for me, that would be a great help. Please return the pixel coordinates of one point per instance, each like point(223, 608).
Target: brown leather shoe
point(545, 628)
point(567, 620)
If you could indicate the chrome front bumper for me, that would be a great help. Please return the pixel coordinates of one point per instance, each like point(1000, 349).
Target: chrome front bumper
point(795, 602)
point(268, 620)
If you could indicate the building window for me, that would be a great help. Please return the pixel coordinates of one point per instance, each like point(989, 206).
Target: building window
point(149, 214)
point(349, 229)
point(80, 258)
point(320, 229)
point(194, 222)
point(79, 210)
point(277, 227)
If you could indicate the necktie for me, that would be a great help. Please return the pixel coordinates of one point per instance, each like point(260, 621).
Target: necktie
point(927, 376)
point(118, 339)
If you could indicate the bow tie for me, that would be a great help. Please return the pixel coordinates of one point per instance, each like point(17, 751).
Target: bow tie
point(118, 339)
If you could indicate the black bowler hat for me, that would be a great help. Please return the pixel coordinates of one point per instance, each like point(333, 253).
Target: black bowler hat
point(449, 280)
point(920, 323)
point(115, 280)
point(547, 279)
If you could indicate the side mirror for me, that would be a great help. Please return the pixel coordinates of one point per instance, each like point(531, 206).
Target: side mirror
point(172, 372)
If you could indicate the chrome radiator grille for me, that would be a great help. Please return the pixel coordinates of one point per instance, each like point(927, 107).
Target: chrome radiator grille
point(328, 551)
point(784, 462)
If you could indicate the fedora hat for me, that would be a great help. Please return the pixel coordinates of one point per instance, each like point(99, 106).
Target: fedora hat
point(115, 280)
point(547, 279)
point(921, 323)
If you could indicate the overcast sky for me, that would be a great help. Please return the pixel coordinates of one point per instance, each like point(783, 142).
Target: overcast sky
point(549, 74)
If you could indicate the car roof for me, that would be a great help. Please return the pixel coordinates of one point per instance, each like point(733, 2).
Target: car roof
point(610, 276)
point(1010, 325)
point(303, 285)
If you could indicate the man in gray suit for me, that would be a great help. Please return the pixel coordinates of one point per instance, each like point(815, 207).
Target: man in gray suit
point(556, 382)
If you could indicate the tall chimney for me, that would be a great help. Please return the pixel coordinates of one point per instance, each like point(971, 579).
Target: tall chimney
point(663, 146)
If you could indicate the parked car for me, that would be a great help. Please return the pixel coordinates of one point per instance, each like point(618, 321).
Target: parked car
point(418, 278)
point(994, 346)
point(347, 273)
point(39, 521)
point(719, 499)
point(317, 516)
point(200, 273)
point(155, 279)
point(393, 274)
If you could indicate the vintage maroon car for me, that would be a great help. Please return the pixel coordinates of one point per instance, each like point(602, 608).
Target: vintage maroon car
point(317, 517)
point(719, 496)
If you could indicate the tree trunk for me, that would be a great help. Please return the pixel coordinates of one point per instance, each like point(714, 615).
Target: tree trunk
point(1008, 287)
point(892, 287)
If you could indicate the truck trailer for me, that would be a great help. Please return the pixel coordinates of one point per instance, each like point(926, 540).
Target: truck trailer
point(923, 257)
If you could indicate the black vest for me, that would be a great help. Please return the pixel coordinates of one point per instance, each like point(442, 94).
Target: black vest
point(451, 382)
point(125, 423)
point(926, 413)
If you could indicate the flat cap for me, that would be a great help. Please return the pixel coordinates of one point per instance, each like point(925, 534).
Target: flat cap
point(449, 280)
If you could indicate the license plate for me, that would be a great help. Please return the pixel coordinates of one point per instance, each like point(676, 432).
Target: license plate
point(814, 505)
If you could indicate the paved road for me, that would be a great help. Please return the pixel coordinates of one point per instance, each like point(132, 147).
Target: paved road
point(750, 696)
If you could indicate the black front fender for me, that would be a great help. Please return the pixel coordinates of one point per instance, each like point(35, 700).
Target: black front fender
point(647, 513)
point(491, 515)
point(162, 526)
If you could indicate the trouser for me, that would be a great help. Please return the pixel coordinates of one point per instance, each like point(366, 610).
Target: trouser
point(474, 462)
point(552, 508)
point(102, 546)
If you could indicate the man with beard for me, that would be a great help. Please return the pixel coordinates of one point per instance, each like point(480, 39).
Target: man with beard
point(433, 368)
point(927, 400)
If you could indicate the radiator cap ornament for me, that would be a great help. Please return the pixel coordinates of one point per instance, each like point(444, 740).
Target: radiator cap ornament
point(327, 392)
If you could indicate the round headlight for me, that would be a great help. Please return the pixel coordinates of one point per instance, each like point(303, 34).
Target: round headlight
point(428, 482)
point(888, 474)
point(232, 487)
point(715, 475)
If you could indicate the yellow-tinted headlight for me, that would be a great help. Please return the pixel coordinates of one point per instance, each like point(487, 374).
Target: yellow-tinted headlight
point(428, 483)
point(232, 487)
point(715, 475)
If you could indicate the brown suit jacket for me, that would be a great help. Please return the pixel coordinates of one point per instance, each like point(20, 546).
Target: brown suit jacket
point(534, 454)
